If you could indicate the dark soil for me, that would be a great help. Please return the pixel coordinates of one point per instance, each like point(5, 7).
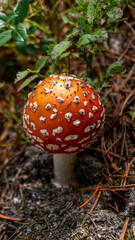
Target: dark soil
point(48, 212)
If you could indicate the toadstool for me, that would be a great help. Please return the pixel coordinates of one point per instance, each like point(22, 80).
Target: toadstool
point(63, 115)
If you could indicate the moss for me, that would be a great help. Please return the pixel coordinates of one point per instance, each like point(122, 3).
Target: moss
point(129, 235)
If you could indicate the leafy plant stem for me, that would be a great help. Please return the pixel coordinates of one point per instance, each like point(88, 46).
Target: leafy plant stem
point(89, 60)
point(40, 75)
point(11, 27)
point(38, 26)
point(55, 6)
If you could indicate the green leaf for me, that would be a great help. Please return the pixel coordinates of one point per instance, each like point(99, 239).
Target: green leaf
point(66, 19)
point(50, 48)
point(31, 49)
point(44, 47)
point(89, 48)
point(85, 39)
point(20, 46)
point(11, 18)
point(80, 2)
point(74, 32)
point(51, 69)
point(64, 55)
point(115, 68)
point(22, 10)
point(45, 44)
point(91, 11)
point(112, 70)
point(21, 75)
point(27, 82)
point(48, 41)
point(3, 17)
point(2, 24)
point(19, 33)
point(60, 48)
point(41, 63)
point(32, 29)
point(74, 12)
point(98, 35)
point(115, 13)
point(5, 37)
point(132, 112)
point(83, 26)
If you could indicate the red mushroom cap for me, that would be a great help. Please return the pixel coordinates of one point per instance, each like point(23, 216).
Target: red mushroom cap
point(63, 114)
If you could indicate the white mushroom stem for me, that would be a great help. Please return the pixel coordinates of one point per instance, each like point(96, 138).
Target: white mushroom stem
point(64, 165)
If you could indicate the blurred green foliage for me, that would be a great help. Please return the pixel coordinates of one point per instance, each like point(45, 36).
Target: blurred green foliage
point(36, 29)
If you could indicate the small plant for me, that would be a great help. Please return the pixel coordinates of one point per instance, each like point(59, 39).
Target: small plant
point(90, 23)
point(11, 25)
point(129, 235)
point(132, 113)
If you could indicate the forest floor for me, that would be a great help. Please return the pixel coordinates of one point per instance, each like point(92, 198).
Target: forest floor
point(31, 208)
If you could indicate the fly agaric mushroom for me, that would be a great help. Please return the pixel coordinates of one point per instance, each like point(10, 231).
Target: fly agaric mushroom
point(63, 115)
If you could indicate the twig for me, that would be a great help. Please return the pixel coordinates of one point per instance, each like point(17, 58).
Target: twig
point(113, 144)
point(133, 31)
point(108, 180)
point(11, 218)
point(115, 209)
point(112, 163)
point(127, 169)
point(94, 205)
point(103, 147)
point(16, 232)
point(128, 46)
point(113, 55)
point(75, 191)
point(3, 233)
point(98, 187)
point(109, 189)
point(128, 77)
point(125, 102)
point(113, 188)
point(114, 139)
point(124, 229)
point(122, 176)
point(110, 153)
point(124, 139)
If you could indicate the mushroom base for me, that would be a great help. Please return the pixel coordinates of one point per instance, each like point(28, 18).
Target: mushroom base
point(64, 165)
